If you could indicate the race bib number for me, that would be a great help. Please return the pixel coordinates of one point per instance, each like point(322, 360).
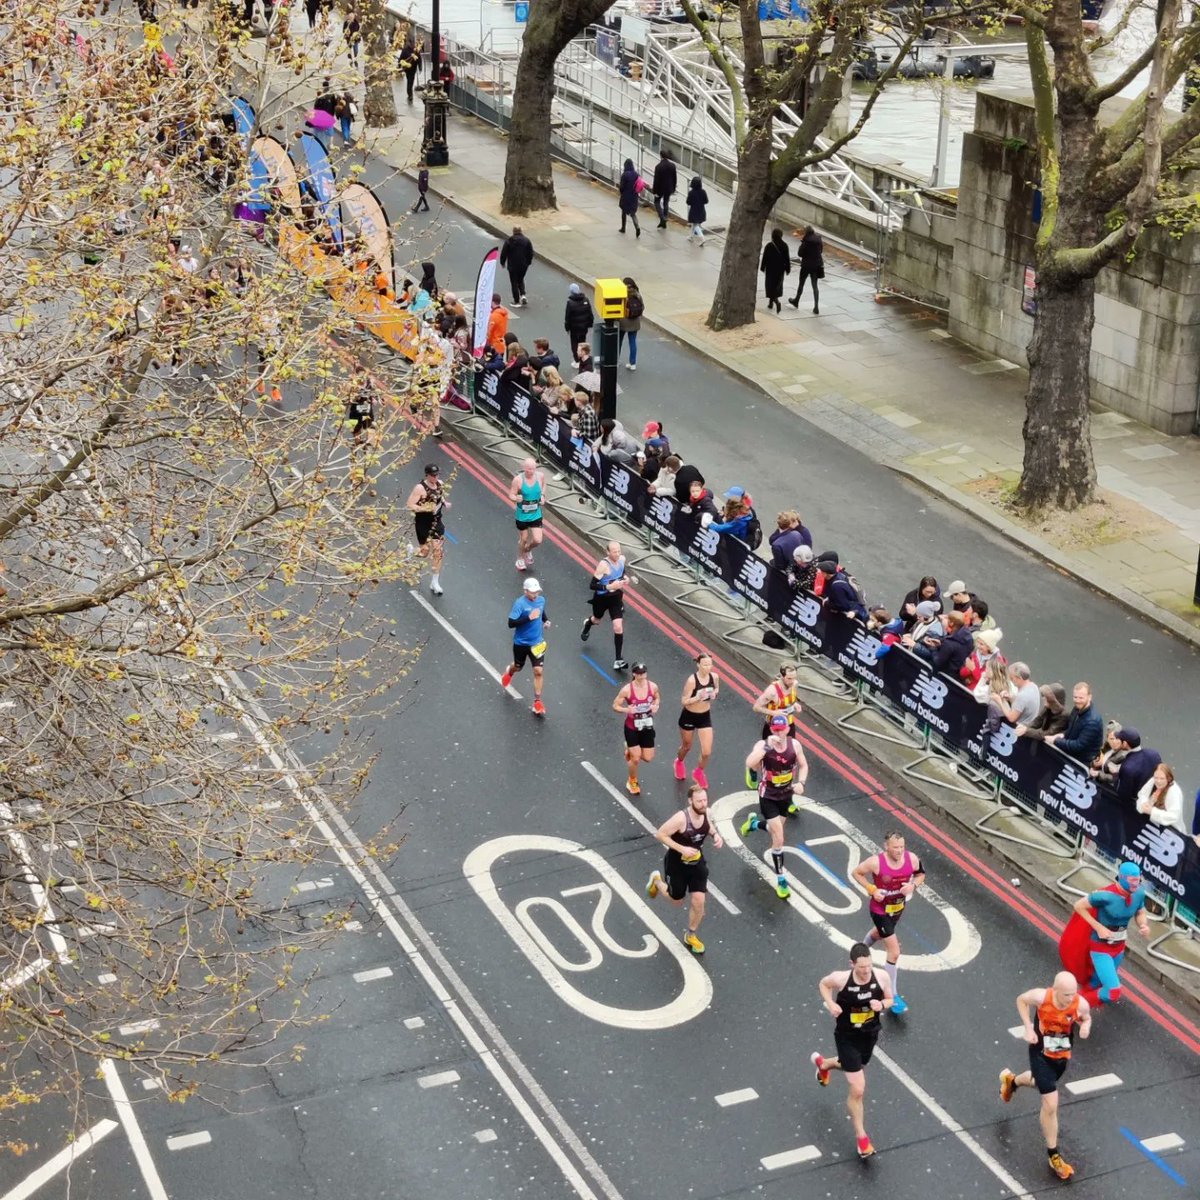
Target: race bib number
point(644, 722)
point(528, 506)
point(538, 650)
point(893, 907)
point(1055, 1043)
point(780, 778)
point(861, 1018)
point(692, 856)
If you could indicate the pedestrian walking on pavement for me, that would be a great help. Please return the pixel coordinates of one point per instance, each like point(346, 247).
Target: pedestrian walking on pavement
point(422, 188)
point(632, 185)
point(631, 323)
point(527, 619)
point(578, 318)
point(700, 689)
point(684, 871)
point(352, 33)
point(638, 701)
point(410, 62)
point(345, 110)
point(697, 202)
point(663, 186)
point(854, 998)
point(776, 263)
point(517, 255)
point(812, 266)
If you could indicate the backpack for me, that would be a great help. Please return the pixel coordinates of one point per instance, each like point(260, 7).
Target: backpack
point(753, 537)
point(634, 306)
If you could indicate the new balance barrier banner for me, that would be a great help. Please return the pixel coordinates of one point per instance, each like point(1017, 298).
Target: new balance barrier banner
point(525, 414)
point(747, 574)
point(555, 442)
point(703, 545)
point(800, 613)
point(849, 644)
point(625, 490)
point(946, 707)
point(660, 517)
point(487, 395)
point(585, 466)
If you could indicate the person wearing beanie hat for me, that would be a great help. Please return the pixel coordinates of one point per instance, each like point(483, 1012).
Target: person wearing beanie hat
point(1092, 946)
point(975, 668)
point(1053, 717)
point(926, 621)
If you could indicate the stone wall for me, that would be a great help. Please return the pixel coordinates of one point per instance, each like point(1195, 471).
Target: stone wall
point(1146, 342)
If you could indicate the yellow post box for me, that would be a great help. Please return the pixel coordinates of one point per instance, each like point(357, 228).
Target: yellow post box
point(611, 295)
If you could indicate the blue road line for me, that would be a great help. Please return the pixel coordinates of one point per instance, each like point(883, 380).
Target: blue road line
point(451, 538)
point(1166, 1168)
point(591, 662)
point(820, 866)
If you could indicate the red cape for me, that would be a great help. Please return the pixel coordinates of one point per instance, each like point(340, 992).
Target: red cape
point(1074, 948)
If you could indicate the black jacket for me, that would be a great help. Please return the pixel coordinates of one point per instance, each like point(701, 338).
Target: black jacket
point(776, 263)
point(684, 478)
point(664, 178)
point(517, 253)
point(578, 318)
point(697, 201)
point(950, 653)
point(812, 252)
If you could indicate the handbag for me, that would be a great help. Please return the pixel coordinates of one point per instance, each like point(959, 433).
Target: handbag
point(820, 272)
point(639, 185)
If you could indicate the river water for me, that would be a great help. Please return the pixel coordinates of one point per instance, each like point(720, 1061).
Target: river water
point(902, 127)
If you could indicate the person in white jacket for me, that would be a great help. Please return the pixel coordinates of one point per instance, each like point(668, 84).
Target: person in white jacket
point(1161, 798)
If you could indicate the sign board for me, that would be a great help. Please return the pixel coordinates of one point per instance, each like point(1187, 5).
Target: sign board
point(521, 12)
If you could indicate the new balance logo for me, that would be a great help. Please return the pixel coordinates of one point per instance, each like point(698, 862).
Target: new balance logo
point(1161, 842)
point(490, 382)
point(754, 573)
point(583, 455)
point(863, 646)
point(662, 510)
point(618, 480)
point(1074, 787)
point(929, 690)
point(551, 434)
point(1003, 741)
point(706, 542)
point(520, 405)
point(806, 610)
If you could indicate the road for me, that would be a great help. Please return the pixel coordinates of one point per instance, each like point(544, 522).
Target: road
point(455, 1061)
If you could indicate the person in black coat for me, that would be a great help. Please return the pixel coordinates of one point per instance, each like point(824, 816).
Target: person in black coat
point(776, 263)
point(629, 196)
point(948, 653)
point(578, 318)
point(517, 255)
point(663, 187)
point(812, 266)
point(697, 202)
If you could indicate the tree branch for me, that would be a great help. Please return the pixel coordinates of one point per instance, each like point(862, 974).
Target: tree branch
point(718, 56)
point(1043, 111)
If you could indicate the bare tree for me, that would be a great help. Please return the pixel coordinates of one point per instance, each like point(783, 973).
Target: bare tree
point(190, 540)
point(528, 176)
point(1102, 184)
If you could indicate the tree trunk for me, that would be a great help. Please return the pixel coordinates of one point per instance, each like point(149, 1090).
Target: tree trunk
point(528, 175)
point(737, 284)
point(1058, 470)
point(379, 102)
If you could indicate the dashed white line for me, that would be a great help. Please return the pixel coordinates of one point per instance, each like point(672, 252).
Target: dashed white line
point(741, 1096)
point(462, 641)
point(63, 1159)
point(789, 1158)
point(270, 805)
point(311, 885)
point(483, 1136)
point(133, 1131)
point(185, 1141)
point(1094, 1083)
point(373, 974)
point(714, 891)
point(106, 978)
point(228, 735)
point(439, 1080)
point(414, 1022)
point(149, 1085)
point(138, 1027)
point(1162, 1143)
point(353, 926)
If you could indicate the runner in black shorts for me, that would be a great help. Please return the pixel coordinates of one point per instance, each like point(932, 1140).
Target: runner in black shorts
point(608, 597)
point(700, 689)
point(427, 503)
point(855, 998)
point(780, 762)
point(638, 700)
point(685, 871)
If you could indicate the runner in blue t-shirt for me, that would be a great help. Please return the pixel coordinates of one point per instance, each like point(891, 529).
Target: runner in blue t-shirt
point(528, 621)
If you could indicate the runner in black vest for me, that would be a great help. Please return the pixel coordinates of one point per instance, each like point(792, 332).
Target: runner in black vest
point(684, 869)
point(638, 700)
point(426, 502)
point(782, 770)
point(855, 998)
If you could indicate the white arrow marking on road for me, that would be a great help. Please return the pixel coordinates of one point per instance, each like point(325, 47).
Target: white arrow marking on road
point(696, 992)
point(462, 641)
point(963, 943)
point(63, 1159)
point(714, 891)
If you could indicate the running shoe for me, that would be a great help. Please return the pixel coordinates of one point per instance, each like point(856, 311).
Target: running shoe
point(436, 589)
point(529, 558)
point(751, 779)
point(587, 631)
point(632, 788)
point(693, 943)
point(781, 888)
point(899, 1006)
point(506, 679)
point(538, 709)
point(793, 808)
point(653, 884)
point(1061, 1167)
point(750, 823)
point(699, 776)
point(411, 549)
point(865, 1149)
point(620, 664)
point(521, 564)
point(822, 1074)
point(1008, 1085)
point(680, 770)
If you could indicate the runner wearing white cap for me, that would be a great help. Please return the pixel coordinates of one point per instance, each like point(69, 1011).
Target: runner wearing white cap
point(527, 620)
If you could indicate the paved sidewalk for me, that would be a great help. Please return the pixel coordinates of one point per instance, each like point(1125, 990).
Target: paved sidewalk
point(885, 377)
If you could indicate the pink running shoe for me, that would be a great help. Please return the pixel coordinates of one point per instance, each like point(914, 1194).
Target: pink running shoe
point(679, 769)
point(699, 776)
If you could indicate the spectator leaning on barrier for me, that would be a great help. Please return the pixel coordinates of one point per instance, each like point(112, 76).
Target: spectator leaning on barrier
point(699, 504)
point(616, 443)
point(789, 533)
point(1023, 703)
point(587, 420)
point(1085, 727)
point(655, 437)
point(1161, 799)
point(1137, 765)
point(926, 592)
point(739, 519)
point(685, 476)
point(840, 591)
point(985, 645)
point(665, 483)
point(1053, 717)
point(978, 615)
point(950, 651)
point(927, 620)
point(804, 569)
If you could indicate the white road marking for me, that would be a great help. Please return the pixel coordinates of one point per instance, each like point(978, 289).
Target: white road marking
point(353, 926)
point(485, 1135)
point(69, 889)
point(138, 1027)
point(133, 1131)
point(63, 1159)
point(185, 1141)
point(462, 641)
point(414, 1022)
point(24, 975)
point(789, 1158)
point(149, 1085)
point(106, 978)
point(439, 1080)
point(311, 885)
point(228, 735)
point(725, 1099)
point(372, 975)
point(714, 891)
point(948, 1122)
point(1094, 1083)
point(270, 805)
point(1162, 1143)
point(1018, 1031)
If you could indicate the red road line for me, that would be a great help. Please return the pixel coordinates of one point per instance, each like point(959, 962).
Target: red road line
point(1163, 1014)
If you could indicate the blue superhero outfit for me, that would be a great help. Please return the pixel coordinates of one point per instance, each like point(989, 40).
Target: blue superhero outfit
point(1086, 954)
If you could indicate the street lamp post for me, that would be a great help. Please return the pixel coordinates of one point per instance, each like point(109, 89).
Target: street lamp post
point(435, 150)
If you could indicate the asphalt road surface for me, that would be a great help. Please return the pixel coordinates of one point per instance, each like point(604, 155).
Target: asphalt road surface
point(514, 1018)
